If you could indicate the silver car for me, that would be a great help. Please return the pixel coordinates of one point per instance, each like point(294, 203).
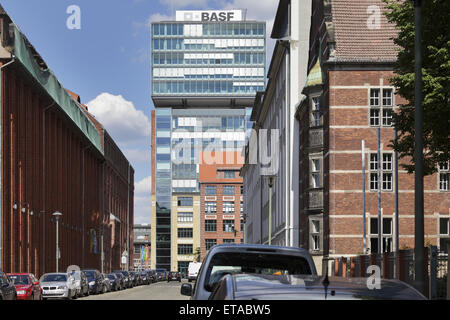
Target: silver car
point(58, 286)
point(247, 258)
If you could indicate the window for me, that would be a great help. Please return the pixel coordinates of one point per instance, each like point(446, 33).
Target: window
point(444, 233)
point(444, 176)
point(228, 190)
point(316, 113)
point(185, 248)
point(386, 172)
point(137, 249)
point(183, 267)
point(210, 190)
point(228, 240)
point(210, 225)
point(242, 225)
point(242, 189)
point(210, 207)
point(185, 201)
point(228, 207)
point(229, 174)
point(228, 225)
point(185, 217)
point(315, 173)
point(384, 109)
point(185, 233)
point(315, 235)
point(386, 240)
point(209, 243)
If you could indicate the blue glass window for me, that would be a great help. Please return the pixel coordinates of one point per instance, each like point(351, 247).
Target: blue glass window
point(228, 190)
point(210, 190)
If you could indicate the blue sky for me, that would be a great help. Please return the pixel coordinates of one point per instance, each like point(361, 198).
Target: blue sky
point(107, 62)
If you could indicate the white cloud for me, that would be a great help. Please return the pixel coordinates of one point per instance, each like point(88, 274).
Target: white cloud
point(121, 119)
point(142, 200)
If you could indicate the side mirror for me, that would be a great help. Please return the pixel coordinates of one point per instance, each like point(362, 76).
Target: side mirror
point(186, 289)
point(36, 283)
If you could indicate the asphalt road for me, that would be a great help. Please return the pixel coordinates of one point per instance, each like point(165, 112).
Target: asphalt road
point(156, 291)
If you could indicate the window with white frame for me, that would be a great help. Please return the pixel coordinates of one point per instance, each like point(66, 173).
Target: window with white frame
point(444, 232)
point(444, 176)
point(228, 207)
point(184, 217)
point(315, 235)
point(316, 112)
point(386, 240)
point(381, 107)
point(316, 173)
point(386, 172)
point(210, 207)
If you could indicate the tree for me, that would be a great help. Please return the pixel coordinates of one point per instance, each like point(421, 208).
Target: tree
point(436, 81)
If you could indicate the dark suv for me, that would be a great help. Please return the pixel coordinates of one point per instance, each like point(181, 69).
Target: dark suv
point(128, 280)
point(95, 281)
point(7, 288)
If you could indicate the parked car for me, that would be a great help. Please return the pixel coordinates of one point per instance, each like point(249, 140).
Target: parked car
point(58, 285)
point(114, 281)
point(193, 269)
point(173, 276)
point(133, 278)
point(145, 277)
point(7, 288)
point(95, 281)
point(27, 286)
point(81, 283)
point(106, 283)
point(153, 276)
point(128, 281)
point(162, 276)
point(304, 287)
point(122, 282)
point(247, 258)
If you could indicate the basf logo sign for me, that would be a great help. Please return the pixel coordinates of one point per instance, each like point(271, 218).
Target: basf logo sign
point(209, 16)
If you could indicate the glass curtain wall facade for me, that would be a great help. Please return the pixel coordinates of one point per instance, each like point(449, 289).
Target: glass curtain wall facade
point(205, 76)
point(225, 58)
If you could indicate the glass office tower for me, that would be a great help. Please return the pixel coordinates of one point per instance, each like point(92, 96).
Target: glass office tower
point(205, 75)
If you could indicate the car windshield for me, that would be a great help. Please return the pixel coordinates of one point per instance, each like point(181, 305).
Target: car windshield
point(54, 278)
point(111, 276)
point(248, 262)
point(19, 279)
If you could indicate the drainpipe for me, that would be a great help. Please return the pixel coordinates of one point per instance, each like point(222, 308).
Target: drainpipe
point(44, 208)
point(128, 219)
point(1, 69)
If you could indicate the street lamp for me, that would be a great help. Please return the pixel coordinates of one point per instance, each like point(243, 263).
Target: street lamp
point(57, 214)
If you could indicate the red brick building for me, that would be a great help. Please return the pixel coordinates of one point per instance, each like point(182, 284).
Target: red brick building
point(220, 199)
point(55, 157)
point(348, 97)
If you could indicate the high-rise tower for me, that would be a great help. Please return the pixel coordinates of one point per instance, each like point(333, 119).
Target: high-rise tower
point(206, 69)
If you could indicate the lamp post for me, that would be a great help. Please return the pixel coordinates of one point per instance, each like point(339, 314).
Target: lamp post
point(57, 214)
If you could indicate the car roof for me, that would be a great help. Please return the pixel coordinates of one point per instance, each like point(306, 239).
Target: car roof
point(253, 285)
point(258, 248)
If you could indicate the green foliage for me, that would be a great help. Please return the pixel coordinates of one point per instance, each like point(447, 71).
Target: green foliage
point(436, 80)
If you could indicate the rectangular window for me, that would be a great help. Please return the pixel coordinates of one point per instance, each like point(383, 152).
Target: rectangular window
point(210, 207)
point(185, 201)
point(228, 225)
point(444, 176)
point(386, 172)
point(228, 190)
point(386, 240)
point(185, 217)
point(229, 174)
point(315, 235)
point(210, 190)
point(383, 109)
point(228, 207)
point(210, 225)
point(209, 243)
point(185, 248)
point(316, 113)
point(444, 226)
point(387, 181)
point(228, 240)
point(185, 233)
point(315, 173)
